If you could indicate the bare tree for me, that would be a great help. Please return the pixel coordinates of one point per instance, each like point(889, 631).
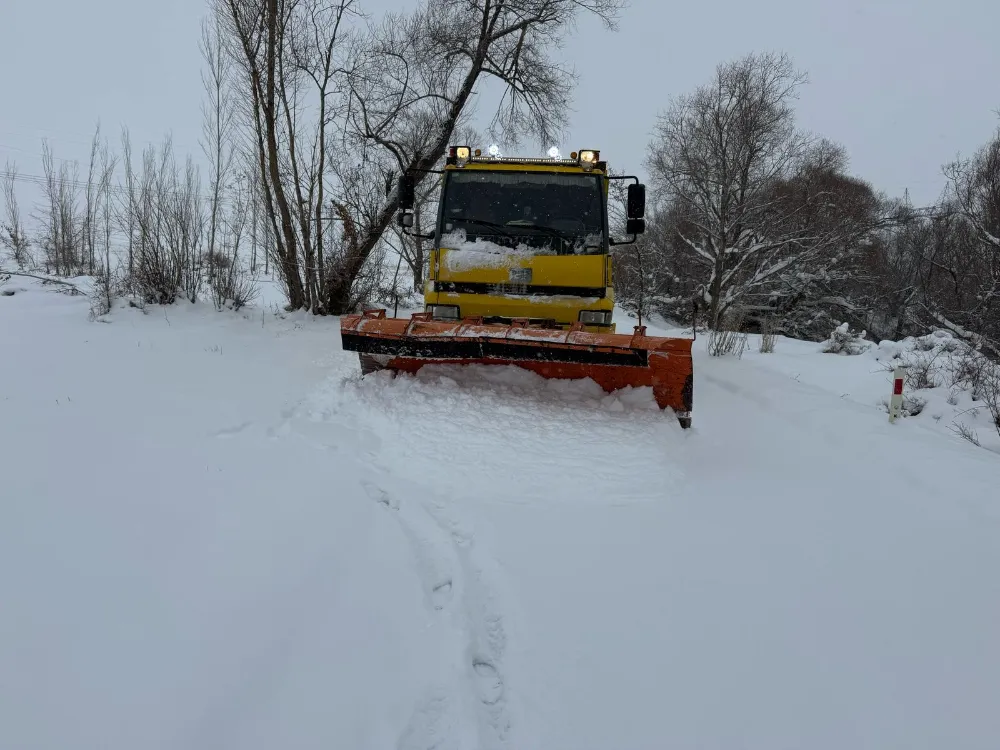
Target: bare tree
point(757, 209)
point(126, 213)
point(12, 232)
point(107, 279)
point(716, 154)
point(286, 49)
point(974, 187)
point(61, 238)
point(886, 288)
point(168, 213)
point(229, 280)
point(317, 54)
point(951, 255)
point(100, 170)
point(825, 218)
point(218, 127)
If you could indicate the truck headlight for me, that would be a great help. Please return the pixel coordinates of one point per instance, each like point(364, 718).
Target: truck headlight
point(588, 158)
point(595, 317)
point(447, 312)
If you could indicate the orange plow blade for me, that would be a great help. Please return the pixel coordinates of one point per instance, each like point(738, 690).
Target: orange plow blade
point(612, 360)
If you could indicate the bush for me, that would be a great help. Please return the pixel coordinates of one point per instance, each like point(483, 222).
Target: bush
point(728, 337)
point(232, 284)
point(843, 340)
point(923, 370)
point(106, 287)
point(768, 334)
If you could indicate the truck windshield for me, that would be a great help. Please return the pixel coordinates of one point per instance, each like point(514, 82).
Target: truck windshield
point(548, 213)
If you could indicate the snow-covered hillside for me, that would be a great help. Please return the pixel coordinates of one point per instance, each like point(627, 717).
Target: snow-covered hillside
point(215, 534)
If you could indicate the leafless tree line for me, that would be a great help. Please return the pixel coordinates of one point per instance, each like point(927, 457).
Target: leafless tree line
point(756, 220)
point(74, 221)
point(312, 111)
point(175, 237)
point(154, 234)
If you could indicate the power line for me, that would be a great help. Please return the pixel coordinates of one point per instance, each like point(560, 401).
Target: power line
point(44, 182)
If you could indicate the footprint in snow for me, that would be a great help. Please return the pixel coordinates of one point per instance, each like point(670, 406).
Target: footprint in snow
point(489, 683)
point(434, 570)
point(380, 496)
point(432, 725)
point(441, 594)
point(229, 432)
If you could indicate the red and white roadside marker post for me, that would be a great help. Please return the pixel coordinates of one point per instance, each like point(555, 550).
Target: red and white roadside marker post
point(896, 400)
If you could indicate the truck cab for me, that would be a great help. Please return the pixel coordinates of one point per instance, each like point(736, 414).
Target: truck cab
point(523, 238)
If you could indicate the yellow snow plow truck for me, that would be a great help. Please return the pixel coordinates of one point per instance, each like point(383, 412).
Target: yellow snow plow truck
point(521, 274)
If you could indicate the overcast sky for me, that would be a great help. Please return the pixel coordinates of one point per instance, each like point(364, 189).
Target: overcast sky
point(905, 85)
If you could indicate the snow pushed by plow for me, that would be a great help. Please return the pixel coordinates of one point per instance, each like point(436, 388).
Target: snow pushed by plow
point(215, 533)
point(525, 438)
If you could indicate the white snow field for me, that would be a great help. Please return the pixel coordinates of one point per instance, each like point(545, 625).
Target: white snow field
point(214, 534)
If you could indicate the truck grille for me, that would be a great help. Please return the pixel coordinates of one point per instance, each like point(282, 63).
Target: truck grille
point(519, 290)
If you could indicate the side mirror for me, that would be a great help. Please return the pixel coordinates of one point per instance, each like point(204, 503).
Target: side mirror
point(407, 191)
point(636, 202)
point(635, 226)
point(405, 219)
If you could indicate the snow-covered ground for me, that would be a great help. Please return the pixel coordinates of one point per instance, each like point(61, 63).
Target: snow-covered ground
point(215, 534)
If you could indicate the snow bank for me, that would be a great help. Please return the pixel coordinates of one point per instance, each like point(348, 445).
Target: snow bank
point(948, 382)
point(949, 388)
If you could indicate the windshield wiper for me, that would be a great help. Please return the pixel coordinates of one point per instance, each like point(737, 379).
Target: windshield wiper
point(484, 223)
point(519, 224)
point(528, 225)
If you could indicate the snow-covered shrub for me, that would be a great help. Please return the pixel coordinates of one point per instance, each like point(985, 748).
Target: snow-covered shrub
point(722, 342)
point(925, 369)
point(843, 340)
point(989, 393)
point(970, 369)
point(103, 292)
point(946, 377)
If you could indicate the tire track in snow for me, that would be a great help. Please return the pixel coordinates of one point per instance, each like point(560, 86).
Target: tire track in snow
point(468, 705)
point(456, 589)
point(435, 721)
point(435, 568)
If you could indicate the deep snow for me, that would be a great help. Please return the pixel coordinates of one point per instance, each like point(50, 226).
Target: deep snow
point(216, 534)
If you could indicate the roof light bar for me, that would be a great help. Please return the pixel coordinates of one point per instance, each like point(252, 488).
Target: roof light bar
point(587, 159)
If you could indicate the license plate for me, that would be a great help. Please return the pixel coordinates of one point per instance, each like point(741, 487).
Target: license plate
point(520, 276)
